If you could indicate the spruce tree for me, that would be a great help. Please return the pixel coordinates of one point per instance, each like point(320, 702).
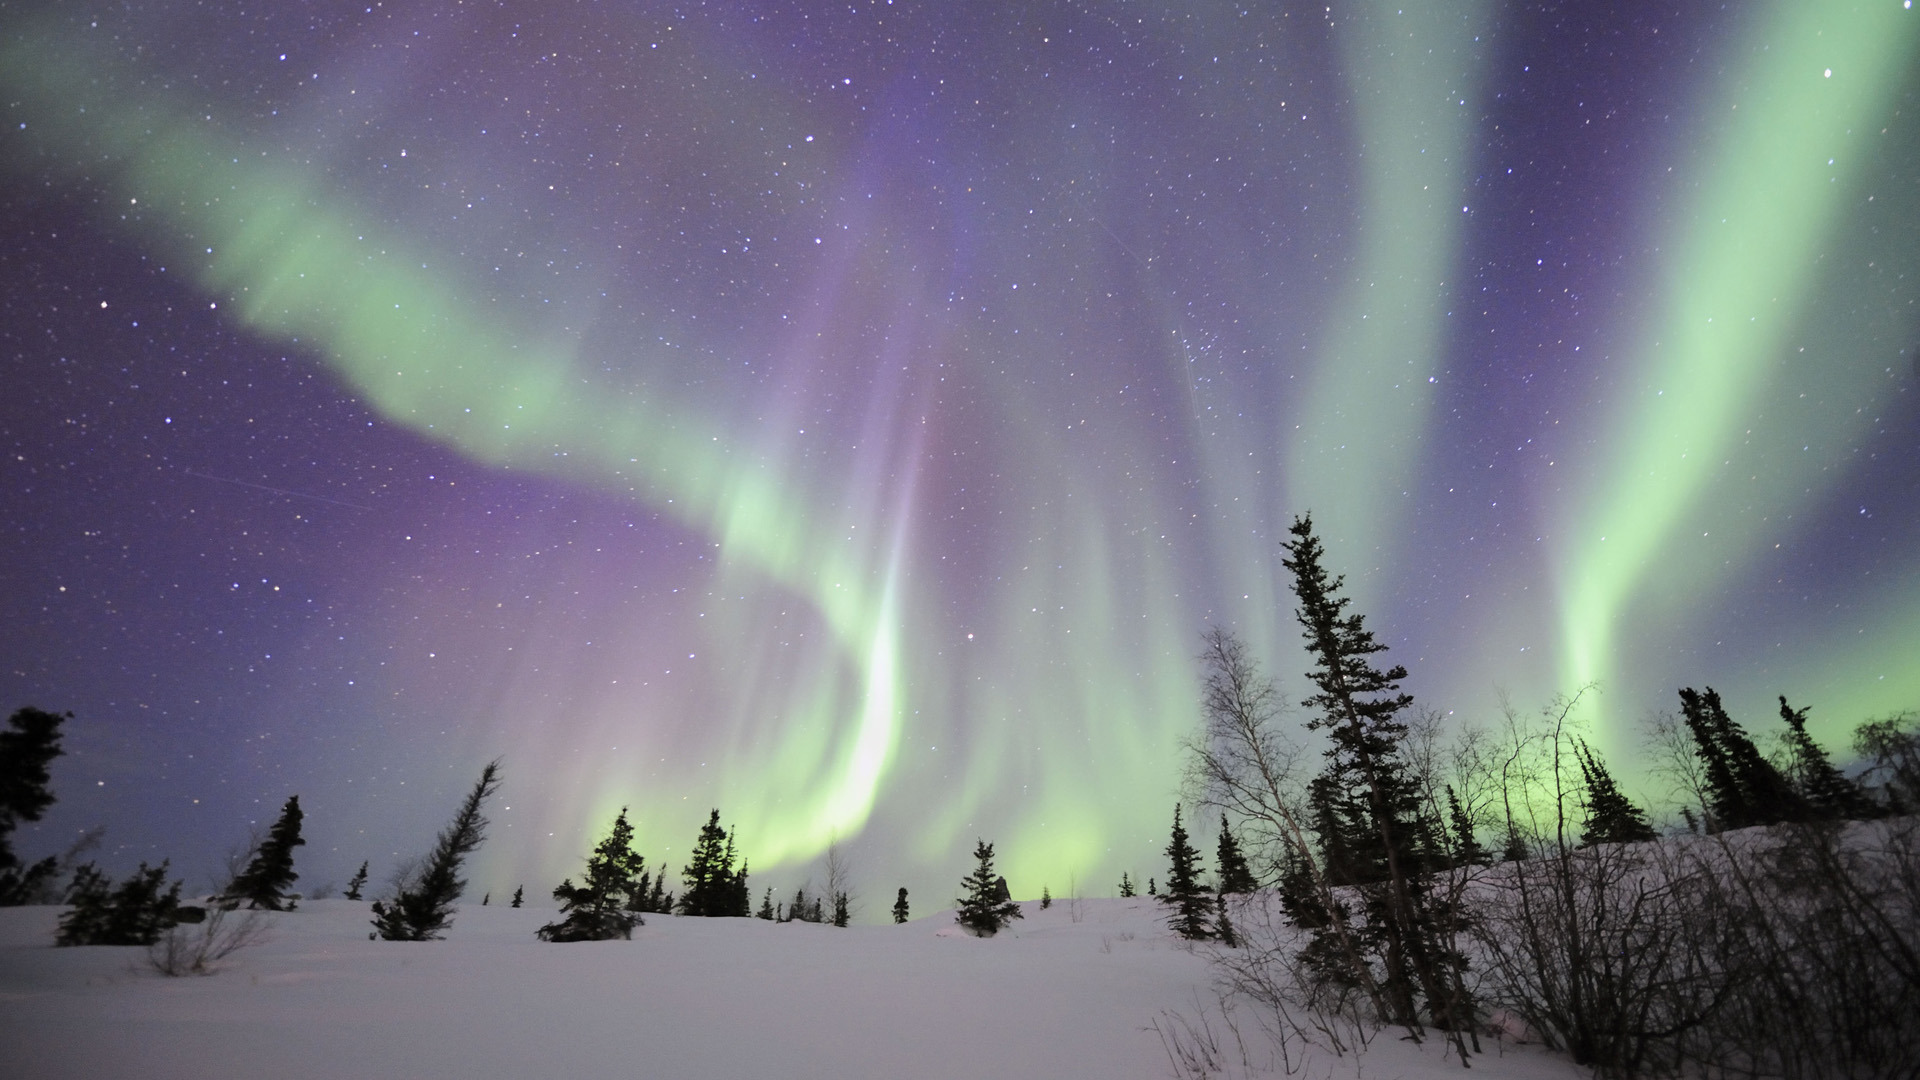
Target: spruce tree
point(1126, 885)
point(978, 910)
point(1466, 847)
point(766, 906)
point(600, 908)
point(423, 908)
point(900, 906)
point(28, 744)
point(1372, 831)
point(359, 882)
point(842, 910)
point(1046, 898)
point(519, 895)
point(1235, 875)
point(264, 883)
point(1743, 788)
point(713, 889)
point(1153, 887)
point(1611, 816)
point(1829, 795)
point(136, 913)
point(1185, 894)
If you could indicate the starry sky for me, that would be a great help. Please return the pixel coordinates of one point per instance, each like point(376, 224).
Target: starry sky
point(850, 415)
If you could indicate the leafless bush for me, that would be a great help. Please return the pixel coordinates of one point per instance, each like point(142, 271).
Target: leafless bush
point(197, 949)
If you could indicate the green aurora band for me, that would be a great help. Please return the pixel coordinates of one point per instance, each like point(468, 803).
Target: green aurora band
point(803, 751)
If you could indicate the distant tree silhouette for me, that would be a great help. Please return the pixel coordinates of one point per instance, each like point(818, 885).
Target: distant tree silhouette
point(1611, 816)
point(423, 907)
point(359, 882)
point(264, 883)
point(1126, 885)
point(136, 913)
point(519, 896)
point(713, 889)
point(601, 907)
point(1235, 875)
point(1743, 787)
point(1185, 893)
point(979, 910)
point(900, 906)
point(1829, 795)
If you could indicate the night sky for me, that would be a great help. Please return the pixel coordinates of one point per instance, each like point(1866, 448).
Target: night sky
point(851, 415)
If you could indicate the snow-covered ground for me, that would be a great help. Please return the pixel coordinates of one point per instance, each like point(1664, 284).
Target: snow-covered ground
point(1074, 991)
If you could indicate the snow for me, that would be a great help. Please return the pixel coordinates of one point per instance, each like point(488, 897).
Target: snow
point(1074, 991)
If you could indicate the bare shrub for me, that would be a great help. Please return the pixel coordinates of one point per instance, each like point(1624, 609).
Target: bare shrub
point(197, 949)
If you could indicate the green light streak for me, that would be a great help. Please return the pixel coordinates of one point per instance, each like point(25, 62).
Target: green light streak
point(1793, 119)
point(298, 267)
point(1363, 419)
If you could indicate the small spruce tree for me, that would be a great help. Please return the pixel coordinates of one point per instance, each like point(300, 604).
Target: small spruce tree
point(1829, 795)
point(1046, 898)
point(1611, 816)
point(519, 895)
point(600, 908)
point(423, 908)
point(359, 882)
point(1126, 885)
point(136, 913)
point(1466, 846)
point(1235, 875)
point(264, 883)
point(842, 910)
point(979, 911)
point(766, 906)
point(1185, 893)
point(900, 906)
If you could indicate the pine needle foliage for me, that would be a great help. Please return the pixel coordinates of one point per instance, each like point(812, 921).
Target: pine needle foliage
point(1185, 894)
point(1743, 787)
point(28, 744)
point(601, 907)
point(136, 913)
point(1829, 795)
point(265, 881)
point(980, 911)
point(1612, 818)
point(423, 908)
point(1234, 873)
point(713, 888)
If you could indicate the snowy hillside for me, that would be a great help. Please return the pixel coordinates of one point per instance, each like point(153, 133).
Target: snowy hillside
point(1054, 996)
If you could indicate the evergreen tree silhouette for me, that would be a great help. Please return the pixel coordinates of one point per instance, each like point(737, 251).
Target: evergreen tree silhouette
point(766, 906)
point(842, 910)
point(1366, 802)
point(423, 908)
point(1235, 875)
point(1467, 849)
point(1611, 816)
point(28, 744)
point(1046, 898)
point(1829, 795)
point(713, 889)
point(600, 908)
point(519, 895)
point(264, 883)
point(136, 913)
point(979, 910)
point(1743, 788)
point(359, 882)
point(1185, 893)
point(1126, 885)
point(900, 906)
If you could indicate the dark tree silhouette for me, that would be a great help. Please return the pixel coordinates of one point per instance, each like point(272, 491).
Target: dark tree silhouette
point(423, 908)
point(1126, 885)
point(136, 913)
point(1612, 818)
point(1743, 788)
point(359, 882)
point(980, 911)
point(1185, 894)
point(601, 907)
point(1235, 875)
point(264, 883)
point(28, 745)
point(1829, 795)
point(713, 889)
point(900, 906)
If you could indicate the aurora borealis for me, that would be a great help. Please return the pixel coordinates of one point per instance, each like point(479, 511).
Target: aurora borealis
point(851, 415)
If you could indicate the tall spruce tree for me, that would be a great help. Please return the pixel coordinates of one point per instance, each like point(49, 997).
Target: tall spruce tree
point(980, 910)
point(28, 744)
point(1829, 795)
point(900, 906)
point(1185, 893)
point(423, 908)
point(1372, 833)
point(264, 883)
point(1612, 818)
point(1235, 875)
point(602, 906)
point(713, 889)
point(1743, 787)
